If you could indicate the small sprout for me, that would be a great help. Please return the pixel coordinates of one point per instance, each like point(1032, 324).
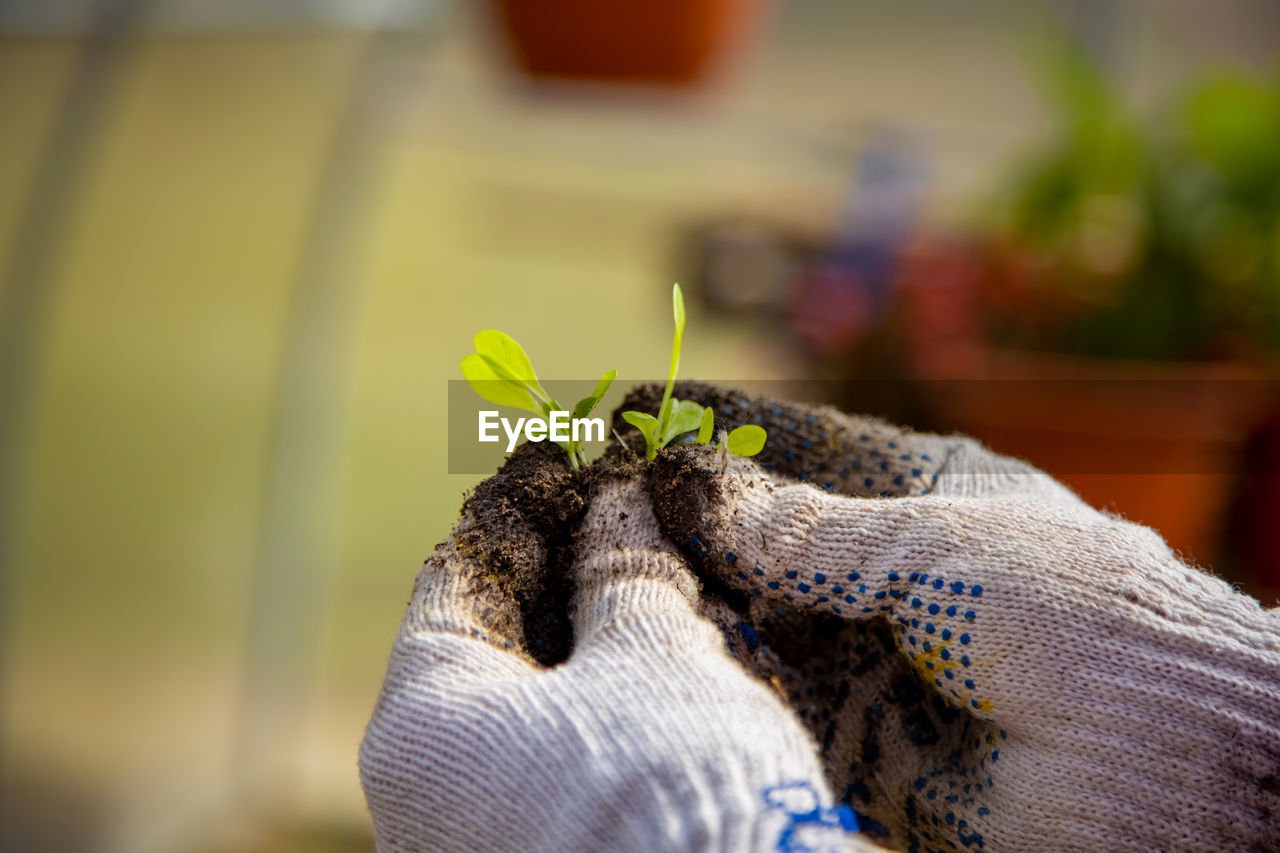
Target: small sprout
point(500, 372)
point(677, 417)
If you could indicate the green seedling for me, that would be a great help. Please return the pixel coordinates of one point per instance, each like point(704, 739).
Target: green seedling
point(500, 372)
point(677, 417)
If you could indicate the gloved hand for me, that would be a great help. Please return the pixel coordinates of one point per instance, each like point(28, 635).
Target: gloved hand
point(1072, 684)
point(649, 737)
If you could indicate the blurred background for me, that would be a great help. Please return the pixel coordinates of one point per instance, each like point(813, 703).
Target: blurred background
point(243, 246)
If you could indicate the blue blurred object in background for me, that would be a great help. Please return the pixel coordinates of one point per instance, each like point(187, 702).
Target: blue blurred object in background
point(839, 298)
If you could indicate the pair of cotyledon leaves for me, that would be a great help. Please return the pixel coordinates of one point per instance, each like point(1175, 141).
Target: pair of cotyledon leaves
point(500, 372)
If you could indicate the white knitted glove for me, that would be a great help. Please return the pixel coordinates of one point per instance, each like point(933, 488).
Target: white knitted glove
point(648, 738)
point(1099, 693)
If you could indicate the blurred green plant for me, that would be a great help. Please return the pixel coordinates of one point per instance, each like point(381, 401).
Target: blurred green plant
point(1149, 244)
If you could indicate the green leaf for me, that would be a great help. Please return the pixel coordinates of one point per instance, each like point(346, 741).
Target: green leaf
point(505, 353)
point(1233, 123)
point(677, 310)
point(586, 404)
point(708, 425)
point(503, 391)
point(747, 440)
point(648, 425)
point(507, 358)
point(686, 416)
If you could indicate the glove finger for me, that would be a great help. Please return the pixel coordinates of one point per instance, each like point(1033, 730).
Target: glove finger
point(496, 577)
point(631, 581)
point(976, 589)
point(852, 455)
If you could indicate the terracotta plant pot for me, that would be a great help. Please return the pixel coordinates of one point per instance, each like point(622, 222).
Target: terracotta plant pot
point(655, 41)
point(1157, 443)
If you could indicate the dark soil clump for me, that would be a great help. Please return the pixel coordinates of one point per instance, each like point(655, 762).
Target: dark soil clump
point(522, 538)
point(687, 484)
point(523, 522)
